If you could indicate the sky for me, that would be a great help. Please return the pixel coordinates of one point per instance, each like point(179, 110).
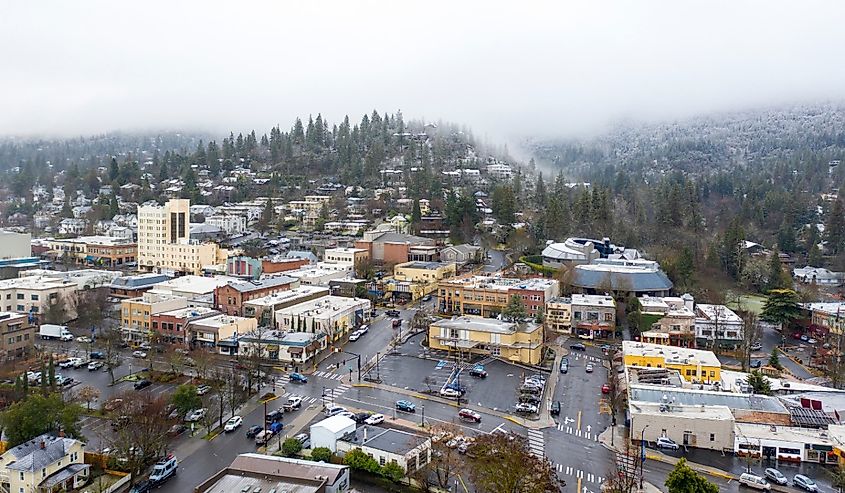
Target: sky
point(505, 69)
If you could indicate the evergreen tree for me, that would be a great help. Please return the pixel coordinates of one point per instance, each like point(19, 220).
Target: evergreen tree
point(114, 170)
point(683, 479)
point(503, 201)
point(777, 277)
point(835, 228)
point(814, 257)
point(540, 192)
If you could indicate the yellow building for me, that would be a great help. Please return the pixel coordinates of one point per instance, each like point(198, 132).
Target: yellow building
point(164, 240)
point(694, 365)
point(519, 343)
point(310, 209)
point(44, 464)
point(135, 313)
point(424, 272)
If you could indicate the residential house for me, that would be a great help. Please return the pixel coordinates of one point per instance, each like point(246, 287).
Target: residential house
point(717, 324)
point(43, 465)
point(462, 254)
point(818, 276)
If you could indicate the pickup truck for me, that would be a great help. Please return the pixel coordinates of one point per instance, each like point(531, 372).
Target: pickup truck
point(293, 403)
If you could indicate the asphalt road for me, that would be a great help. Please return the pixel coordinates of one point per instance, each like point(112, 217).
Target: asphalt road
point(573, 446)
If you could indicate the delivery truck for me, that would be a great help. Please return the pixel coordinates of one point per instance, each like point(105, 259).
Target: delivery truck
point(51, 331)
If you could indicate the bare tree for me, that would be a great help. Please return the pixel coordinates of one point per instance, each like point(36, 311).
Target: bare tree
point(87, 395)
point(202, 361)
point(504, 463)
point(110, 343)
point(750, 335)
point(140, 422)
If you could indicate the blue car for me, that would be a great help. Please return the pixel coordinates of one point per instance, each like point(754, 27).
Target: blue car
point(406, 406)
point(298, 378)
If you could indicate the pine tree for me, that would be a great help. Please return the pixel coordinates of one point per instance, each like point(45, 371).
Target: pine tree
point(835, 228)
point(777, 278)
point(540, 192)
point(114, 170)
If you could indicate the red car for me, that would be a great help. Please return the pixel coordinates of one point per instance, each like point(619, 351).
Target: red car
point(796, 335)
point(605, 389)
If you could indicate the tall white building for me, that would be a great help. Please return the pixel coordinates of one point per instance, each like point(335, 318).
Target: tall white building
point(164, 243)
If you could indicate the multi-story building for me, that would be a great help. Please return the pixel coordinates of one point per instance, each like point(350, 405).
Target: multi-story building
point(294, 349)
point(15, 245)
point(231, 224)
point(190, 287)
point(424, 272)
point(35, 294)
point(320, 275)
point(17, 336)
point(717, 325)
point(134, 286)
point(260, 472)
point(209, 331)
point(136, 313)
point(593, 316)
point(231, 297)
point(334, 316)
point(388, 247)
point(827, 318)
point(164, 243)
point(309, 210)
point(352, 256)
point(559, 314)
point(263, 309)
point(487, 296)
point(172, 325)
point(694, 365)
point(669, 321)
point(467, 335)
point(95, 250)
point(44, 464)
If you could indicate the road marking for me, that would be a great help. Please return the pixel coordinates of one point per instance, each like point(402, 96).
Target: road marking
point(579, 420)
point(580, 476)
point(587, 435)
point(579, 485)
point(569, 429)
point(578, 433)
point(590, 477)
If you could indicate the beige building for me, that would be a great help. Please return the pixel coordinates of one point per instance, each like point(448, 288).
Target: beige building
point(211, 330)
point(309, 210)
point(15, 245)
point(35, 294)
point(352, 256)
point(263, 309)
point(559, 314)
point(424, 272)
point(707, 427)
point(334, 316)
point(517, 342)
point(43, 465)
point(669, 321)
point(136, 313)
point(17, 336)
point(164, 243)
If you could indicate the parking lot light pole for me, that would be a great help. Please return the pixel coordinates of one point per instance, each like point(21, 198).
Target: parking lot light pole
point(642, 454)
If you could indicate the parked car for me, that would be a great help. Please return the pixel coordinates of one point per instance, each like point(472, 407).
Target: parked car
point(605, 388)
point(775, 476)
point(354, 336)
point(525, 408)
point(555, 409)
point(83, 339)
point(449, 393)
point(298, 378)
point(361, 417)
point(397, 323)
point(143, 487)
point(469, 415)
point(139, 354)
point(529, 398)
point(142, 384)
point(79, 362)
point(347, 414)
point(97, 355)
point(334, 410)
point(805, 337)
point(805, 483)
point(67, 382)
point(426, 298)
point(263, 437)
point(68, 363)
point(363, 329)
point(176, 430)
point(392, 313)
point(294, 402)
point(812, 341)
point(756, 363)
point(589, 368)
point(304, 440)
point(754, 481)
point(195, 415)
point(407, 406)
point(667, 443)
point(578, 347)
point(95, 365)
point(253, 430)
point(233, 423)
point(274, 416)
point(540, 379)
point(756, 346)
point(375, 419)
point(203, 389)
point(528, 388)
point(564, 365)
point(478, 371)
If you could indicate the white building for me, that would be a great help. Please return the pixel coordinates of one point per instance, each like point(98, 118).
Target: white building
point(36, 294)
point(500, 171)
point(231, 224)
point(317, 276)
point(15, 245)
point(72, 226)
point(717, 324)
point(409, 450)
point(332, 315)
point(327, 432)
point(190, 287)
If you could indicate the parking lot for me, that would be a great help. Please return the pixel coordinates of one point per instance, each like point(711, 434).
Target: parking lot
point(499, 391)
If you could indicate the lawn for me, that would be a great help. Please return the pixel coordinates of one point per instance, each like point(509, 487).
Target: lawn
point(751, 302)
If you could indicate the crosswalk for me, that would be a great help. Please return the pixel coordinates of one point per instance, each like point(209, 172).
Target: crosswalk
point(589, 435)
point(587, 357)
point(579, 474)
point(329, 375)
point(536, 443)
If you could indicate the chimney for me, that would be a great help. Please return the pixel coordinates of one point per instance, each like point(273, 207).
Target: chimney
point(61, 433)
point(43, 445)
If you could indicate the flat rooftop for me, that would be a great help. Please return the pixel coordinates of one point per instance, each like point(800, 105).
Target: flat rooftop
point(671, 354)
point(192, 284)
point(197, 311)
point(711, 312)
point(715, 412)
point(484, 324)
point(688, 397)
point(390, 440)
point(326, 305)
point(753, 433)
point(220, 320)
point(593, 300)
point(288, 296)
point(421, 265)
point(502, 283)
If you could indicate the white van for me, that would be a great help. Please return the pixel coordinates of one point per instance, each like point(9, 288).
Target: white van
point(754, 481)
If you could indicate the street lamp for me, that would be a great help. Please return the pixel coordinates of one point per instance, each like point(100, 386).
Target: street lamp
point(642, 454)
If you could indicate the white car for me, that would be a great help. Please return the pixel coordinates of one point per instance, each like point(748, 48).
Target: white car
point(449, 393)
point(363, 329)
point(375, 419)
point(756, 346)
point(347, 414)
point(203, 389)
point(195, 415)
point(83, 339)
point(139, 354)
point(667, 443)
point(354, 336)
point(233, 423)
